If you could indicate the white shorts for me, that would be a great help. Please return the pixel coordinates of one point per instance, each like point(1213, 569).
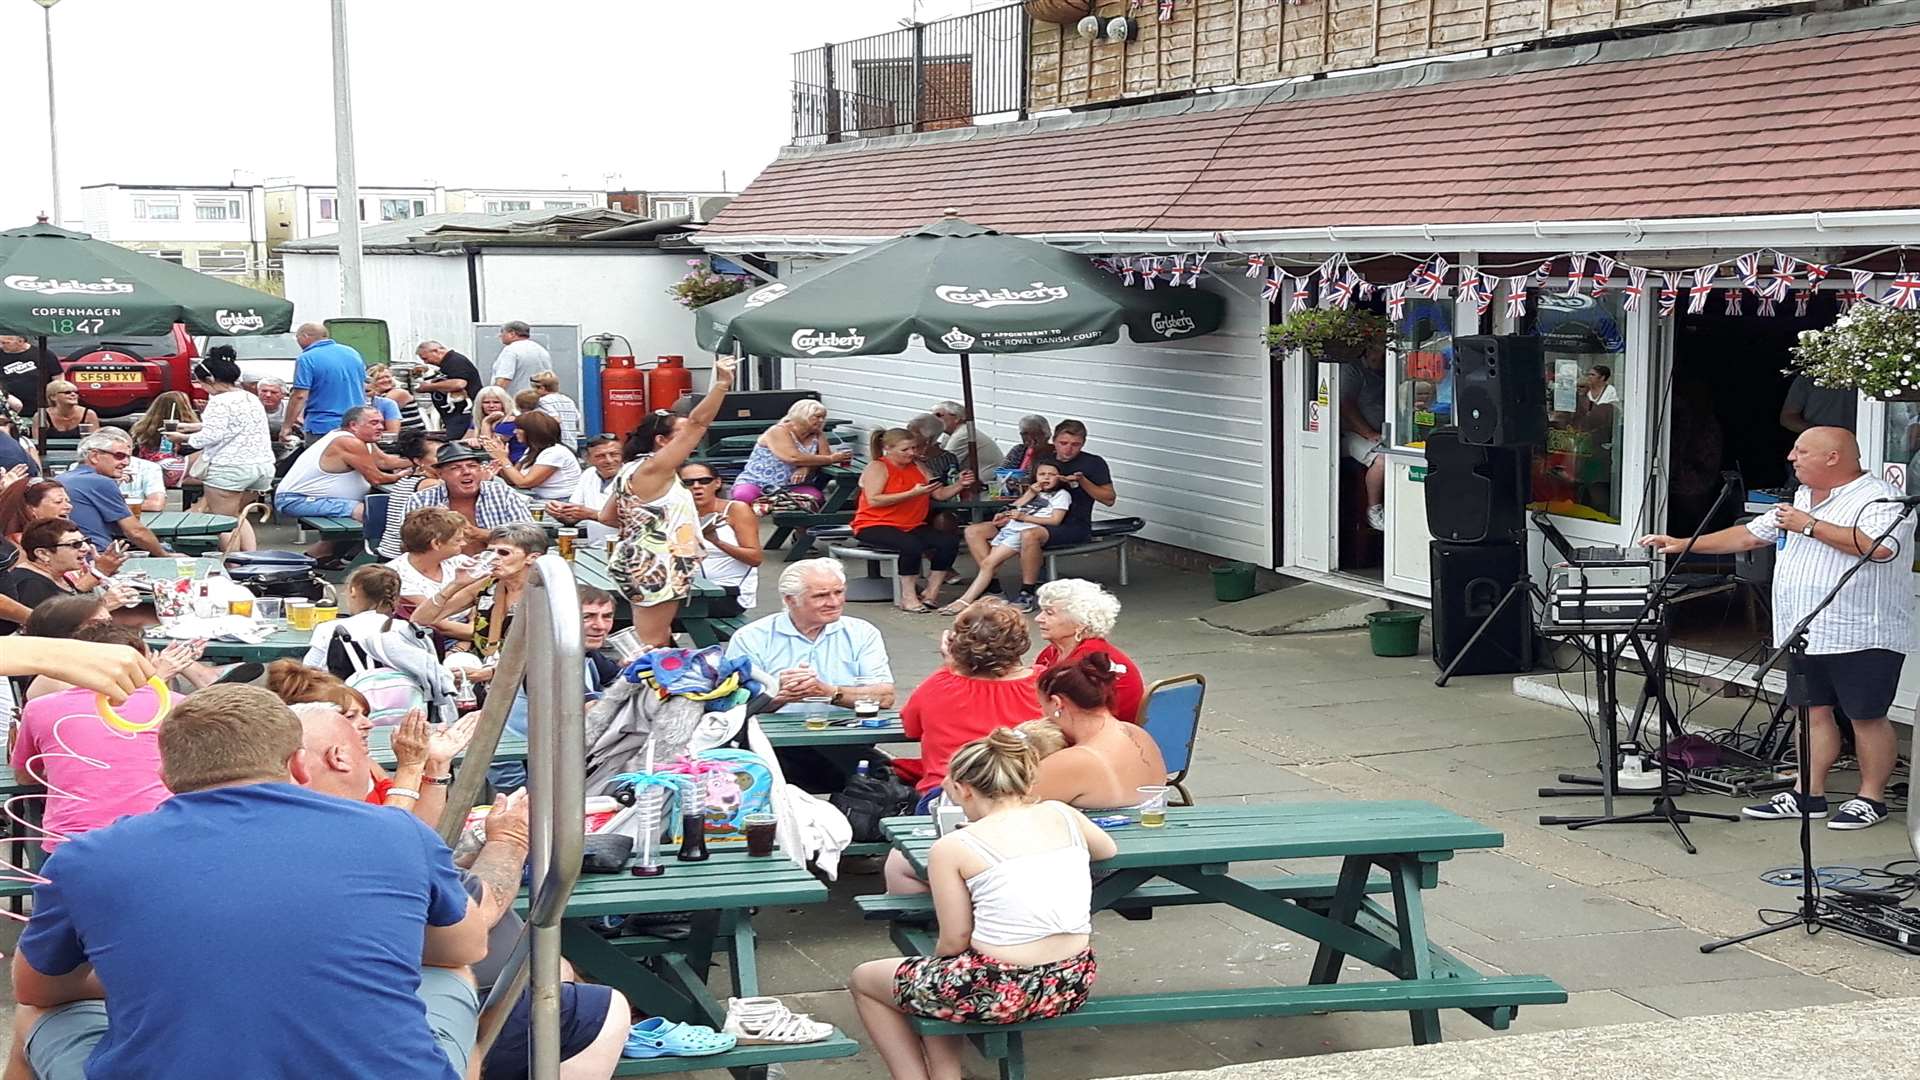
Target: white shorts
point(1359, 449)
point(1009, 535)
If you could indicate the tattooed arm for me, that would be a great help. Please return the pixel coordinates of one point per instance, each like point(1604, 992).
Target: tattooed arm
point(503, 858)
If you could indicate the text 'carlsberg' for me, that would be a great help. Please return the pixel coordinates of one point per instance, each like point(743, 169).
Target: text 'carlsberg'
point(1041, 293)
point(34, 283)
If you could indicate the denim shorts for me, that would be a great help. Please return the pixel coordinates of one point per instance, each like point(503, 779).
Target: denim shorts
point(294, 505)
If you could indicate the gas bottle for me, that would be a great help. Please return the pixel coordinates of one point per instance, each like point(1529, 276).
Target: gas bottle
point(623, 395)
point(668, 381)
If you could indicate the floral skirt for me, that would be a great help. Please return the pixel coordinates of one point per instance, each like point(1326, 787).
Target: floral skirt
point(974, 989)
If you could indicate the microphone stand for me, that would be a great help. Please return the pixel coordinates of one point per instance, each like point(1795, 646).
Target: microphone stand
point(1812, 914)
point(1609, 648)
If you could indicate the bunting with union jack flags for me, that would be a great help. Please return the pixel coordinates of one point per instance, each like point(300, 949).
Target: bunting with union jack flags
point(1255, 264)
point(1602, 272)
point(1397, 300)
point(1816, 272)
point(1736, 300)
point(1340, 293)
point(1276, 282)
point(1748, 267)
point(1904, 293)
point(1576, 272)
point(1636, 288)
point(1800, 298)
point(1302, 292)
point(1430, 276)
point(1766, 305)
point(1126, 271)
point(1517, 297)
point(1862, 281)
point(1669, 292)
point(1777, 283)
point(1149, 269)
point(1701, 288)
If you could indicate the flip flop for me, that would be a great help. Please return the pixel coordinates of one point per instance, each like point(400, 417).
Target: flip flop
point(921, 610)
point(658, 1037)
point(955, 608)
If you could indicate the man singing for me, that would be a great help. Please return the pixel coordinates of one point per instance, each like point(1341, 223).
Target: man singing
point(1856, 646)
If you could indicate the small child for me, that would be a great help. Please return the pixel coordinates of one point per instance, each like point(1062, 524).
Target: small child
point(1044, 504)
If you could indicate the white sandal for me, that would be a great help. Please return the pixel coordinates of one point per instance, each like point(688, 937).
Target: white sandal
point(758, 1020)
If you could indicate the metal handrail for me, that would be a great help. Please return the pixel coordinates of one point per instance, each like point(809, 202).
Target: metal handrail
point(543, 652)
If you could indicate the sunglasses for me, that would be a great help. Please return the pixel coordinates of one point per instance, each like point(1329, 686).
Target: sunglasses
point(74, 544)
point(117, 455)
point(703, 479)
point(503, 552)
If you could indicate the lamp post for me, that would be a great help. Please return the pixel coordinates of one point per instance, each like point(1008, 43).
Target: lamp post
point(53, 139)
point(346, 185)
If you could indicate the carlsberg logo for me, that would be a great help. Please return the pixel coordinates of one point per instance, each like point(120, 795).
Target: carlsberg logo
point(811, 342)
point(239, 322)
point(1040, 293)
point(767, 295)
point(1172, 325)
point(33, 283)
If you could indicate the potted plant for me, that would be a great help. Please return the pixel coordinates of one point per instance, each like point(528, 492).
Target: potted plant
point(1333, 335)
point(702, 286)
point(1873, 348)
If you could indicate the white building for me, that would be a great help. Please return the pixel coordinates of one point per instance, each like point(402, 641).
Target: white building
point(517, 200)
point(215, 229)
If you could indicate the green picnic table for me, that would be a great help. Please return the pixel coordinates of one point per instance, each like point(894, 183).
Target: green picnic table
point(669, 978)
point(1194, 859)
point(696, 618)
point(283, 642)
point(842, 490)
point(332, 528)
point(842, 744)
point(186, 531)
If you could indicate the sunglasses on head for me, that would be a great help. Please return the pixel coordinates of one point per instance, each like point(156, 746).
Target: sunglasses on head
point(602, 439)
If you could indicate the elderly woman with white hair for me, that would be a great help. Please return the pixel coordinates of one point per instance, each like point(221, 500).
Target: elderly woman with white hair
point(1075, 618)
point(786, 456)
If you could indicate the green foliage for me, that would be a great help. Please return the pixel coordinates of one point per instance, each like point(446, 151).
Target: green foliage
point(1872, 348)
point(702, 286)
point(1338, 333)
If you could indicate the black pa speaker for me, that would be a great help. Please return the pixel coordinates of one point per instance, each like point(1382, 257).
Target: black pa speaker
point(1474, 493)
point(1468, 582)
point(1500, 389)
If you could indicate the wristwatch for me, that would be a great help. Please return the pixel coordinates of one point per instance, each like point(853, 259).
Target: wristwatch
point(1808, 531)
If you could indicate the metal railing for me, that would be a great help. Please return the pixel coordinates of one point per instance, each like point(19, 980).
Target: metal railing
point(923, 77)
point(543, 651)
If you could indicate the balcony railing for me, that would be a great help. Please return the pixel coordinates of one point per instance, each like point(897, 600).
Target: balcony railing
point(944, 74)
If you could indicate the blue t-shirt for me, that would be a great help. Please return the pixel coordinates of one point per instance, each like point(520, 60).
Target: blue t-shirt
point(388, 410)
point(12, 453)
point(335, 379)
point(263, 931)
point(97, 504)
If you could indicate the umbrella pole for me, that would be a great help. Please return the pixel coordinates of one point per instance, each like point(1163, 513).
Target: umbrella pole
point(973, 435)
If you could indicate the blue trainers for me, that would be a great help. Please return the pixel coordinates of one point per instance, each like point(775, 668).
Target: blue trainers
point(1785, 806)
point(1858, 813)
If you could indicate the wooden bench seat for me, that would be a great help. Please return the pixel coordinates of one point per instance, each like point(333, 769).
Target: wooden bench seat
point(745, 1057)
point(886, 907)
point(330, 528)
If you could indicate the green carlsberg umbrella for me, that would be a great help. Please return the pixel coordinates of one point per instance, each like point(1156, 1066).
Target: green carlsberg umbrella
point(54, 282)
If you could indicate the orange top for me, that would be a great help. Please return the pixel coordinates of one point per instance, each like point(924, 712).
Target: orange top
point(908, 514)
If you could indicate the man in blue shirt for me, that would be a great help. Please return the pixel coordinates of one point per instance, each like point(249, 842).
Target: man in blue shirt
point(248, 927)
point(328, 379)
point(813, 648)
point(93, 487)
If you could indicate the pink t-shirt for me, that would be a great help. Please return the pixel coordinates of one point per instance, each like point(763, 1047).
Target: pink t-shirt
point(94, 775)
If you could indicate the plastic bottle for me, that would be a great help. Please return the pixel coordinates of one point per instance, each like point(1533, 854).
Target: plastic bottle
point(860, 769)
point(693, 837)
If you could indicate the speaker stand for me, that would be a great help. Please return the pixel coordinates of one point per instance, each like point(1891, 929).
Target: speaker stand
point(1524, 585)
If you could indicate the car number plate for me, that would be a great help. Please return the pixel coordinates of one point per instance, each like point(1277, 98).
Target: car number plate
point(102, 378)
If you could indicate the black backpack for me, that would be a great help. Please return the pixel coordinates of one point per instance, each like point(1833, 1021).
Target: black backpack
point(867, 799)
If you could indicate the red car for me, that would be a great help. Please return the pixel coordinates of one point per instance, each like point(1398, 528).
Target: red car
point(120, 376)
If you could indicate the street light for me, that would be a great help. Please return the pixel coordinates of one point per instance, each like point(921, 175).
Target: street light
point(53, 140)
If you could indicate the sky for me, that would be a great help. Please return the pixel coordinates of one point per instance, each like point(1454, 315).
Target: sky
point(481, 93)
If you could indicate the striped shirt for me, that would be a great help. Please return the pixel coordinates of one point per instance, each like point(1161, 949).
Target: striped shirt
point(567, 414)
point(1875, 610)
point(494, 505)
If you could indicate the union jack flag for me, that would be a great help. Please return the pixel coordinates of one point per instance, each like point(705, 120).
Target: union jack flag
point(1193, 275)
point(1800, 298)
point(1396, 300)
point(1149, 269)
point(1780, 280)
point(1748, 267)
point(1602, 271)
point(1341, 293)
point(1276, 282)
point(1427, 280)
point(1904, 293)
point(1302, 292)
point(1543, 271)
point(1482, 291)
point(1701, 288)
point(1517, 297)
point(1636, 287)
point(1255, 264)
point(1734, 300)
point(1126, 271)
point(1816, 272)
point(1670, 292)
point(1366, 289)
point(1847, 298)
point(1862, 281)
point(1576, 272)
point(1766, 305)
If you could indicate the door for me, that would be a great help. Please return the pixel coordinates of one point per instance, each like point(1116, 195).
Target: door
point(1311, 462)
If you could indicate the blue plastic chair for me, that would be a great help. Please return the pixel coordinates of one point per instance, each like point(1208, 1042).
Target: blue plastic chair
point(373, 524)
point(1170, 712)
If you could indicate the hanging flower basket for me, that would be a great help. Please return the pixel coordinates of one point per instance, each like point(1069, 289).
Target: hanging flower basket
point(1873, 348)
point(702, 286)
point(1330, 335)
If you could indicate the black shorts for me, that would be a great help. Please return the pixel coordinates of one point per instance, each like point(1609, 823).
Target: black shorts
point(1862, 683)
point(1069, 533)
point(583, 1012)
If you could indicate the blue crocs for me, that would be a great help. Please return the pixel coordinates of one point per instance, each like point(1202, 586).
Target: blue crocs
point(658, 1037)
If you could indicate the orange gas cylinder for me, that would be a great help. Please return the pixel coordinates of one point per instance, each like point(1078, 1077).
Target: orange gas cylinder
point(623, 395)
point(668, 381)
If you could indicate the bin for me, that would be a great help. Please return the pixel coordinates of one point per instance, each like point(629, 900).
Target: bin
point(1394, 633)
point(1232, 582)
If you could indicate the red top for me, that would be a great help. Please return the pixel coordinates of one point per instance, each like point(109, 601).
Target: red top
point(948, 711)
point(1128, 689)
point(908, 514)
point(381, 785)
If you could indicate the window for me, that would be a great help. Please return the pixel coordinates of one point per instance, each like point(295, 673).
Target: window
point(507, 206)
point(1584, 344)
point(210, 211)
point(326, 210)
point(1423, 362)
point(399, 209)
point(156, 209)
point(222, 260)
point(671, 208)
point(562, 204)
point(177, 258)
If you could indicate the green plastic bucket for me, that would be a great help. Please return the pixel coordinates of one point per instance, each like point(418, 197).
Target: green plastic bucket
point(1232, 582)
point(1394, 633)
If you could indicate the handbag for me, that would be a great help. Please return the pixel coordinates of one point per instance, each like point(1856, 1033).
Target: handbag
point(870, 797)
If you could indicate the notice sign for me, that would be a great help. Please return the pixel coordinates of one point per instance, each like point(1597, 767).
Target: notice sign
point(1322, 396)
point(1895, 473)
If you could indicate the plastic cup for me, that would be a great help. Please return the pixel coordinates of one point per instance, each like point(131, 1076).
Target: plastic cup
point(539, 512)
point(184, 568)
point(1153, 805)
point(300, 614)
point(760, 833)
point(269, 608)
point(817, 721)
point(242, 608)
point(564, 541)
point(626, 644)
point(324, 613)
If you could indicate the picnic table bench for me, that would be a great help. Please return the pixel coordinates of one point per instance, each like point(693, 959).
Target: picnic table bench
point(330, 528)
point(188, 532)
point(1190, 861)
point(669, 978)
